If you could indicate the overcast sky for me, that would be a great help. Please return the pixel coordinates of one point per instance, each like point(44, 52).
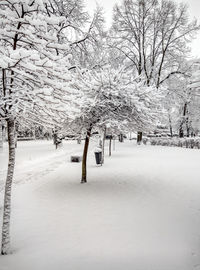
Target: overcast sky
point(194, 11)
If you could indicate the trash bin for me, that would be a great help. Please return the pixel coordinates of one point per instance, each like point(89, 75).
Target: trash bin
point(98, 156)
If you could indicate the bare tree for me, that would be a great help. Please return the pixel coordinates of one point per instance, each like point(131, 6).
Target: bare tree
point(152, 36)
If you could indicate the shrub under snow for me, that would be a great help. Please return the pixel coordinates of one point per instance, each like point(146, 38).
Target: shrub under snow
point(178, 142)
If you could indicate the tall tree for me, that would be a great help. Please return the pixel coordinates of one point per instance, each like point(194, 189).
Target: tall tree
point(33, 78)
point(182, 100)
point(152, 36)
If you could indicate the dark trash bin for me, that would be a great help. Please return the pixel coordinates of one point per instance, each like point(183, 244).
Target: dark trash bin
point(98, 156)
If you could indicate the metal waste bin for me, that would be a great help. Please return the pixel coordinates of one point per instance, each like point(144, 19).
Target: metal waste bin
point(98, 156)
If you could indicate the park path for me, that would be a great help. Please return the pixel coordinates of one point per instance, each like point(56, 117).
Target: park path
point(35, 159)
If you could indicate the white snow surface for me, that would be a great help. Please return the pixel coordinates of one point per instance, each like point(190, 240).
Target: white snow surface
point(139, 211)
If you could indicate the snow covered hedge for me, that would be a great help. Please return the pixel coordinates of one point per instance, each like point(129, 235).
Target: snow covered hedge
point(178, 142)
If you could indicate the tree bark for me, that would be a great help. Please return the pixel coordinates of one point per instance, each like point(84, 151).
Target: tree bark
point(5, 245)
point(170, 125)
point(103, 146)
point(181, 131)
point(171, 130)
point(139, 137)
point(121, 138)
point(1, 135)
point(110, 144)
point(187, 127)
point(85, 152)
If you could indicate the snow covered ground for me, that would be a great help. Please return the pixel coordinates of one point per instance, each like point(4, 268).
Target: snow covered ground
point(139, 211)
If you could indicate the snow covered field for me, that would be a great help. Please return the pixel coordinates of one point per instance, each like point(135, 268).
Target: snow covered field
point(139, 211)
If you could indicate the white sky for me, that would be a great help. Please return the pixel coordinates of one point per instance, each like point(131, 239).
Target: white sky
point(194, 11)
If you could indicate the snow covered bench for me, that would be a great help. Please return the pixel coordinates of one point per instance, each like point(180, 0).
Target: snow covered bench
point(76, 157)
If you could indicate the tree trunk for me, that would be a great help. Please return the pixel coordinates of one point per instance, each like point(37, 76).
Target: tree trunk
point(1, 135)
point(84, 161)
point(54, 138)
point(171, 131)
point(181, 133)
point(187, 127)
point(57, 140)
point(121, 138)
point(110, 144)
point(170, 126)
point(103, 146)
point(139, 137)
point(188, 132)
point(5, 246)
